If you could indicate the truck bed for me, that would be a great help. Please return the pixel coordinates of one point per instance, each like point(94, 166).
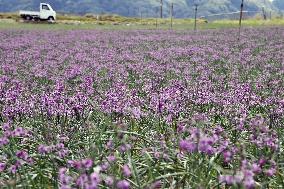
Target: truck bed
point(30, 13)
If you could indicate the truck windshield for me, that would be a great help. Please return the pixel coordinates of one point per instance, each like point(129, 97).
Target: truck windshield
point(45, 7)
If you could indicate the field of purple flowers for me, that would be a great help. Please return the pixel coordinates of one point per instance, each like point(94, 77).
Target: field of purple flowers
point(141, 109)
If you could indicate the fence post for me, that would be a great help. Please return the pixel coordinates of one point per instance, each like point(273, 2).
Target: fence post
point(157, 13)
point(241, 17)
point(195, 17)
point(172, 13)
point(263, 13)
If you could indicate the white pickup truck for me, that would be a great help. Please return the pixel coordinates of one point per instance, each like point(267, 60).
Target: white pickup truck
point(45, 13)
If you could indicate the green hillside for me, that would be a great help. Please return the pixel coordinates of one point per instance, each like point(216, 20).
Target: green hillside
point(148, 8)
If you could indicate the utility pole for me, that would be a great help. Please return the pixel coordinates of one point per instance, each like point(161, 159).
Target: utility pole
point(157, 15)
point(161, 13)
point(263, 13)
point(172, 14)
point(195, 17)
point(241, 17)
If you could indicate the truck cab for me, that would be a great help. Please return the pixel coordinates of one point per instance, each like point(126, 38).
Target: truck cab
point(46, 12)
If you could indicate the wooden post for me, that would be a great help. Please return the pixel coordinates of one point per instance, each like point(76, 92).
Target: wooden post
point(172, 13)
point(195, 17)
point(241, 17)
point(161, 10)
point(263, 13)
point(157, 13)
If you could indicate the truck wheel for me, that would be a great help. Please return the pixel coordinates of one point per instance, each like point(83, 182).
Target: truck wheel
point(28, 17)
point(50, 19)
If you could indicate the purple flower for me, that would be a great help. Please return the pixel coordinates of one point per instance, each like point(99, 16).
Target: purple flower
point(185, 145)
point(262, 162)
point(62, 171)
point(180, 128)
point(65, 187)
point(111, 158)
point(124, 147)
point(136, 113)
point(104, 166)
point(109, 180)
point(43, 149)
point(87, 163)
point(64, 179)
point(92, 185)
point(6, 126)
point(228, 179)
point(249, 183)
point(95, 177)
point(126, 171)
point(60, 146)
point(156, 185)
point(30, 160)
point(2, 167)
point(227, 156)
point(82, 180)
point(123, 184)
point(270, 172)
point(22, 154)
point(109, 144)
point(256, 168)
point(13, 169)
point(4, 141)
point(19, 131)
point(62, 153)
point(76, 164)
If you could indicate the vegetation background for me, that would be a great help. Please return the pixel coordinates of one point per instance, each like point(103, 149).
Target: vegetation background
point(183, 8)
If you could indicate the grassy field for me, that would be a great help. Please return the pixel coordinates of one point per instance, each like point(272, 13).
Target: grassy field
point(11, 21)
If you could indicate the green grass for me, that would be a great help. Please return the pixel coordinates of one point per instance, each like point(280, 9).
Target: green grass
point(114, 22)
